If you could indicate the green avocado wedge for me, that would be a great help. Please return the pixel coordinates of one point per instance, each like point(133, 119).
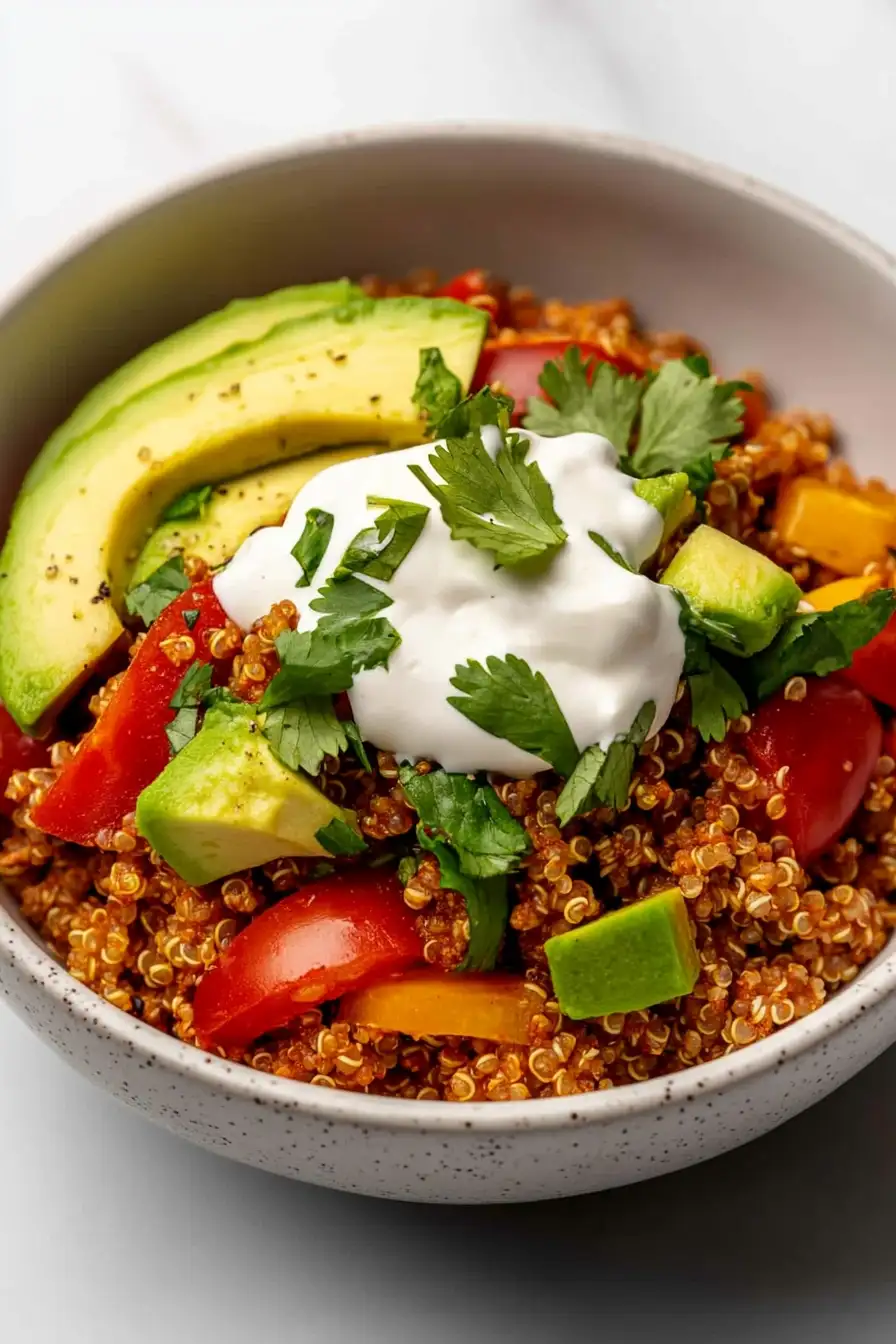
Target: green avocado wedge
point(341, 376)
point(236, 509)
point(225, 803)
point(241, 320)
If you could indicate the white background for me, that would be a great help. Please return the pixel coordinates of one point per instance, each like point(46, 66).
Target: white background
point(110, 1229)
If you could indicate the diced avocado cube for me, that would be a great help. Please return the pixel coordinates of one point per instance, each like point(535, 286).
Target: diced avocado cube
point(632, 958)
point(730, 583)
point(670, 496)
point(225, 802)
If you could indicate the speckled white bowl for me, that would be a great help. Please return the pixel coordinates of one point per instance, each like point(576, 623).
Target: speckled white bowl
point(764, 280)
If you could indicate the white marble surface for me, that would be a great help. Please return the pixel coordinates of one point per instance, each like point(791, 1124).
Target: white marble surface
point(110, 1227)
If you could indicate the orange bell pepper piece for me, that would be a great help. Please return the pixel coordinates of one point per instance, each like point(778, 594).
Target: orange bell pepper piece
point(842, 530)
point(490, 1005)
point(832, 595)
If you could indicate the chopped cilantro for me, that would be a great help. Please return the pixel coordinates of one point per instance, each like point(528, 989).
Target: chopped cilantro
point(602, 778)
point(503, 504)
point(611, 552)
point(191, 617)
point(338, 838)
point(484, 407)
point(356, 743)
point(699, 625)
point(509, 700)
point(437, 390)
point(347, 601)
point(686, 415)
point(471, 817)
point(312, 545)
point(191, 504)
point(487, 902)
point(323, 661)
point(715, 698)
point(150, 598)
point(187, 700)
point(590, 396)
point(814, 644)
point(378, 551)
point(303, 733)
point(407, 867)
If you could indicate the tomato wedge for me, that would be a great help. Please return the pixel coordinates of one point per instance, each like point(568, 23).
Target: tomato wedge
point(491, 1006)
point(873, 668)
point(830, 742)
point(517, 367)
point(127, 747)
point(330, 937)
point(18, 751)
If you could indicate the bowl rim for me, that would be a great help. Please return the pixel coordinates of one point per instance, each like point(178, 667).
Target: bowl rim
point(22, 948)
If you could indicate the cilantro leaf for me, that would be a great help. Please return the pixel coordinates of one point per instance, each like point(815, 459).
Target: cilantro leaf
point(611, 552)
point(379, 550)
point(484, 407)
point(715, 698)
point(587, 395)
point(311, 546)
point(337, 837)
point(190, 617)
point(407, 867)
point(356, 742)
point(507, 699)
point(187, 700)
point(303, 733)
point(602, 778)
point(437, 390)
point(685, 417)
point(487, 901)
point(348, 601)
point(471, 817)
point(324, 661)
point(816, 643)
point(503, 504)
point(150, 598)
point(700, 625)
point(191, 504)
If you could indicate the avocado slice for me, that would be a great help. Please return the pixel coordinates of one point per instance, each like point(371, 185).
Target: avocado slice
point(343, 375)
point(225, 803)
point(737, 586)
point(670, 496)
point(630, 959)
point(236, 509)
point(241, 320)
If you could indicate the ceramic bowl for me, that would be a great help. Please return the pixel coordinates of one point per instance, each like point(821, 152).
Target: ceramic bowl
point(764, 280)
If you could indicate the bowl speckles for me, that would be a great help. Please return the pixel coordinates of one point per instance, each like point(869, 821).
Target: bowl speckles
point(765, 281)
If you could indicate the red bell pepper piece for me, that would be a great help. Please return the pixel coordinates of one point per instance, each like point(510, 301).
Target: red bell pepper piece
point(830, 742)
point(330, 937)
point(873, 668)
point(517, 367)
point(17, 752)
point(127, 747)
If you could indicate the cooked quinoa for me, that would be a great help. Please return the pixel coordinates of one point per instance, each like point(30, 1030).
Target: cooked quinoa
point(775, 938)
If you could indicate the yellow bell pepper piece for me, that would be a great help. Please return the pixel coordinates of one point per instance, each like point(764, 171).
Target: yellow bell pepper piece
point(832, 595)
point(842, 530)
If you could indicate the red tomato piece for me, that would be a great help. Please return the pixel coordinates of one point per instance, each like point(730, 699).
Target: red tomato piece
point(479, 288)
point(127, 747)
point(517, 367)
point(18, 751)
point(873, 668)
point(755, 411)
point(332, 936)
point(830, 742)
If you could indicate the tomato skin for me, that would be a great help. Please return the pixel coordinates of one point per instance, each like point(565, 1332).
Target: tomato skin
point(830, 741)
point(18, 751)
point(480, 289)
point(873, 668)
point(127, 747)
point(517, 367)
point(332, 936)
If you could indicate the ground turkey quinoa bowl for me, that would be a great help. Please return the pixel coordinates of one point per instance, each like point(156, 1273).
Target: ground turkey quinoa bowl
point(427, 690)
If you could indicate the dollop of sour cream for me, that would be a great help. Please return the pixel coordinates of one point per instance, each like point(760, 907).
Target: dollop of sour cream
point(606, 640)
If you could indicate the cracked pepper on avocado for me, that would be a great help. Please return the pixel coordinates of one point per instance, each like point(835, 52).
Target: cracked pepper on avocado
point(427, 690)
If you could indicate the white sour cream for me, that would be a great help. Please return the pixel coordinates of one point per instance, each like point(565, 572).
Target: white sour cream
point(605, 640)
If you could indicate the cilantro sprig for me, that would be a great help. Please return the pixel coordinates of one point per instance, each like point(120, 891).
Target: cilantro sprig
point(312, 545)
point(377, 551)
point(150, 598)
point(323, 661)
point(343, 602)
point(437, 390)
point(601, 777)
point(303, 733)
point(507, 699)
point(470, 817)
point(501, 504)
point(592, 396)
